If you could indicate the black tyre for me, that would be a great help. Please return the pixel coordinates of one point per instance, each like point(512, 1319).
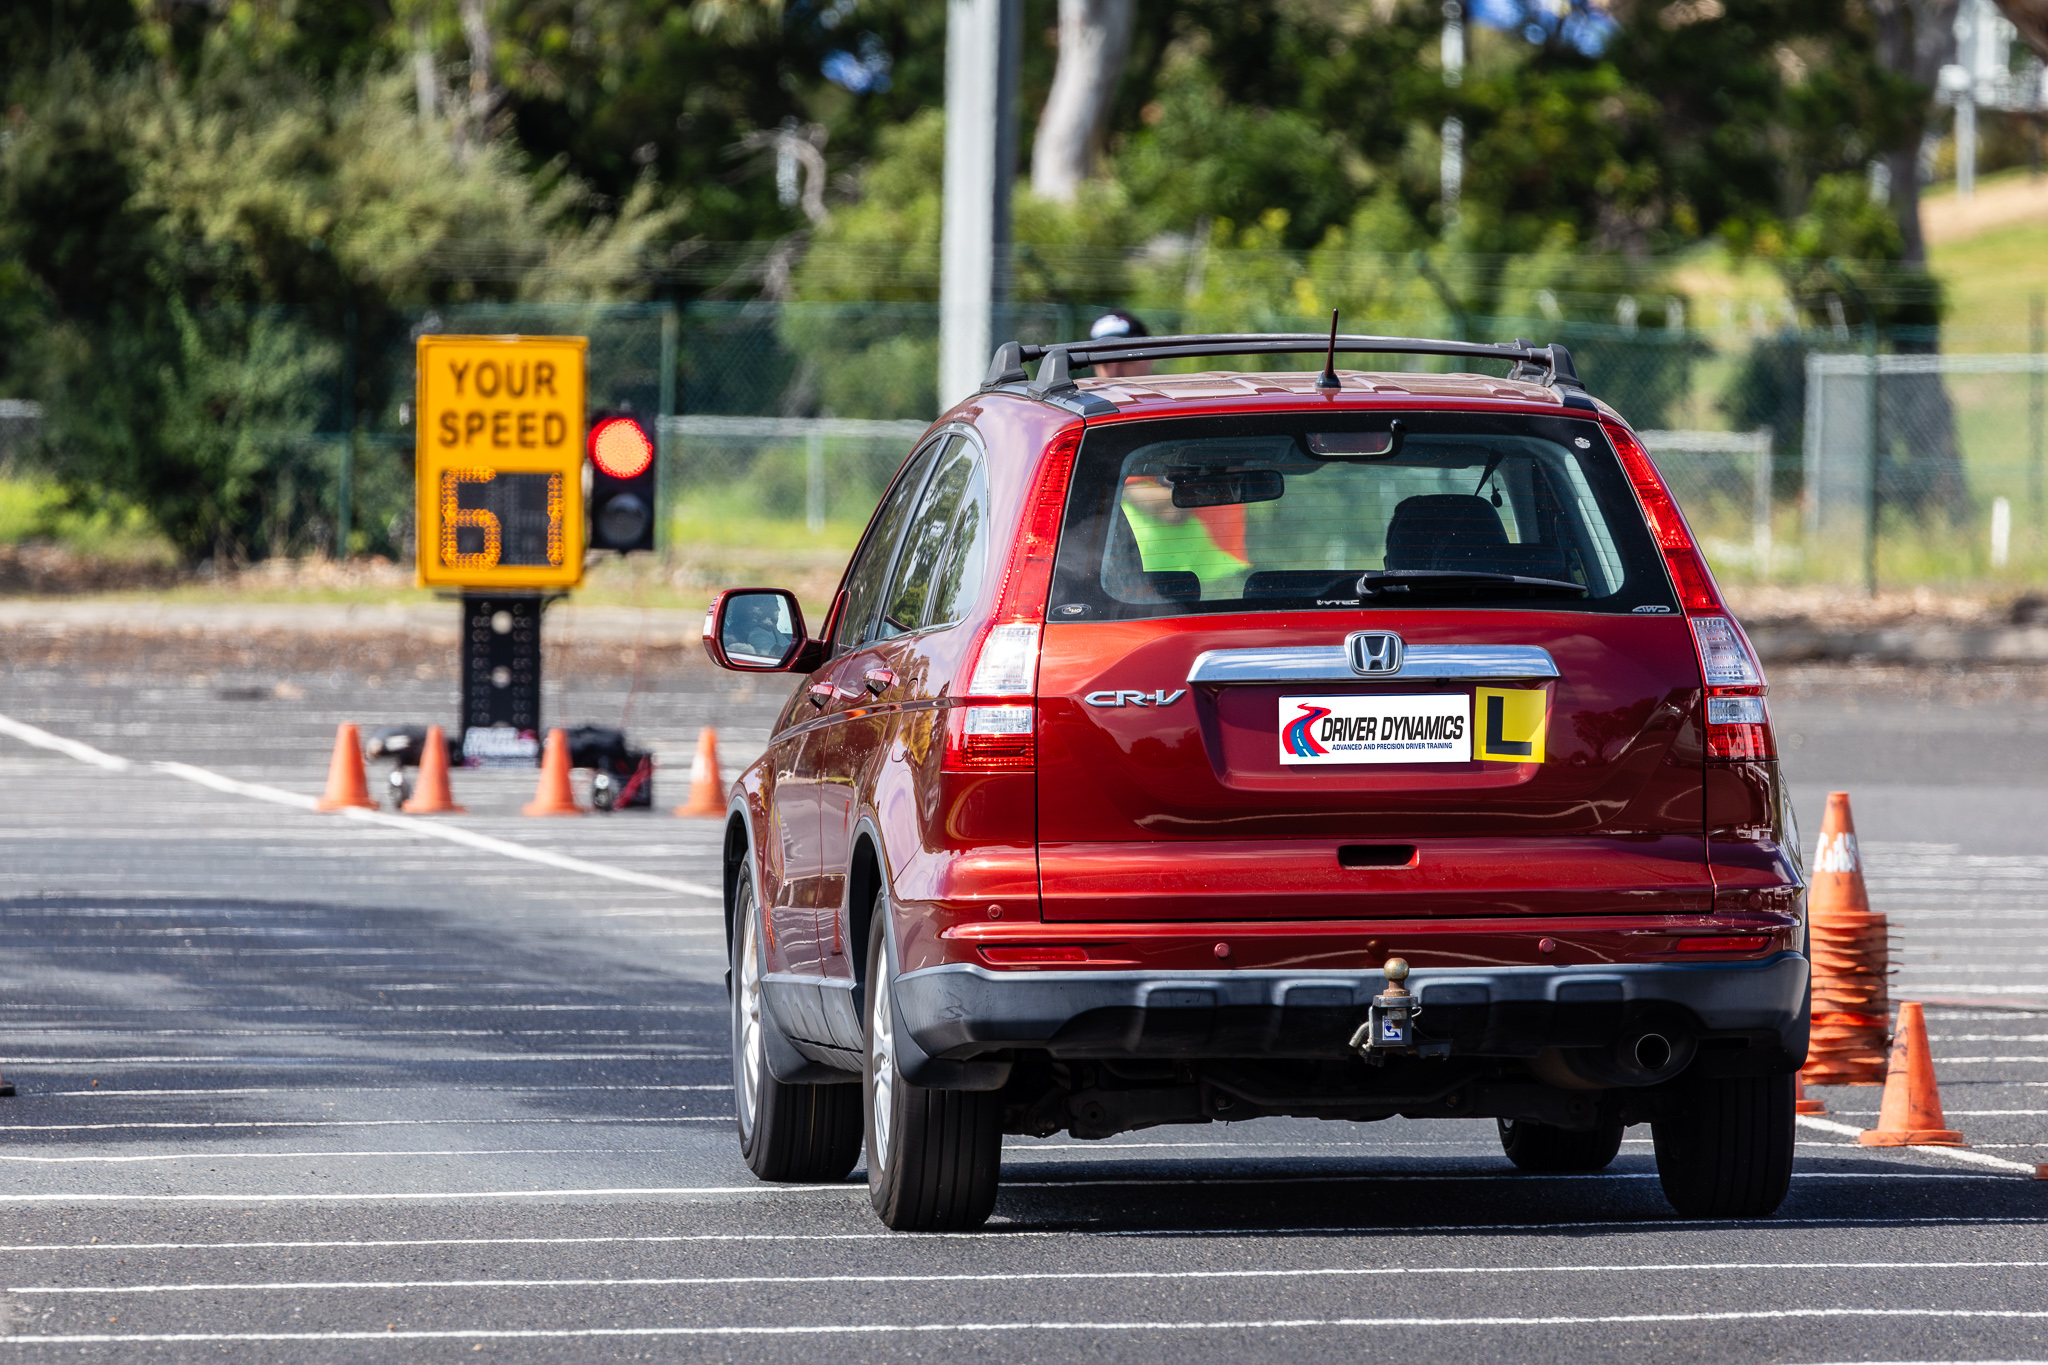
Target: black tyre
point(1540, 1147)
point(806, 1133)
point(933, 1155)
point(1726, 1149)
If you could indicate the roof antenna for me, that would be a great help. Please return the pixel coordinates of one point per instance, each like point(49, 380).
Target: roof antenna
point(1327, 381)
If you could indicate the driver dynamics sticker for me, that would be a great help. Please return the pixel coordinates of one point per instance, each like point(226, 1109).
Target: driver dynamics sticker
point(1425, 729)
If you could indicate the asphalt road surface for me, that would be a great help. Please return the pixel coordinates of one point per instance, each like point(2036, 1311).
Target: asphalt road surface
point(312, 1087)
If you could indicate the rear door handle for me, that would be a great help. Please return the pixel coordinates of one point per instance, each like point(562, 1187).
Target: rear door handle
point(879, 680)
point(822, 693)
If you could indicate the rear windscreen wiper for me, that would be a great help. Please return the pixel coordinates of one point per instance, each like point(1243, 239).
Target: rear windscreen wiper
point(1374, 582)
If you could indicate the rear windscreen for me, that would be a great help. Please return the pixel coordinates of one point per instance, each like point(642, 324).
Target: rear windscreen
point(1312, 512)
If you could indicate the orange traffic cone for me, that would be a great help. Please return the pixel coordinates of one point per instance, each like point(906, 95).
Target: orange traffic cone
point(1851, 953)
point(1911, 1113)
point(432, 796)
point(346, 785)
point(553, 796)
point(707, 788)
point(1801, 1104)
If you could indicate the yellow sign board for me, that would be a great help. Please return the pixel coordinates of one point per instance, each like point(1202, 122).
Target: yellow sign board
point(499, 461)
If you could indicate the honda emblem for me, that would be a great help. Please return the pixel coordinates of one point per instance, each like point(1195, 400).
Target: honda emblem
point(1374, 653)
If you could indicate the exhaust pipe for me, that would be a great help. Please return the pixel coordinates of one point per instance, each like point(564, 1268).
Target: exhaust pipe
point(1651, 1051)
point(1641, 1056)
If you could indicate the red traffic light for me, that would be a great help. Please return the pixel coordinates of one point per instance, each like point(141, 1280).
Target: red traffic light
point(620, 448)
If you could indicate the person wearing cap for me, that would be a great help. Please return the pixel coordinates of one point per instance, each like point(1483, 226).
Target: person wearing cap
point(1119, 325)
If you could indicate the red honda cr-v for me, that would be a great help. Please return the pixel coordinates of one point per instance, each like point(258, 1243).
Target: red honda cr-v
point(1212, 746)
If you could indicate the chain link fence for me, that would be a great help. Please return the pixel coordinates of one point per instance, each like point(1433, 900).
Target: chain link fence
point(1808, 455)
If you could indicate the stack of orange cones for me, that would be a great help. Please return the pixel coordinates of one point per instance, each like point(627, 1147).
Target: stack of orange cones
point(553, 796)
point(707, 788)
point(1801, 1104)
point(432, 796)
point(1851, 954)
point(1911, 1113)
point(347, 785)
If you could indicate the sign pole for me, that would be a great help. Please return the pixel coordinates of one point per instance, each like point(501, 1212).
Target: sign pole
point(500, 511)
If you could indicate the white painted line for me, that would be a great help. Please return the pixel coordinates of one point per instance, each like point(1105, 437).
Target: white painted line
point(246, 1124)
point(369, 1059)
point(200, 1154)
point(416, 828)
point(1507, 1175)
point(113, 1091)
point(1000, 1231)
point(1016, 1276)
point(70, 748)
point(440, 1195)
point(879, 1328)
point(1951, 1153)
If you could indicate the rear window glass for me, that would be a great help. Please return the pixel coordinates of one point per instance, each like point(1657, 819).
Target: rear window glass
point(1314, 512)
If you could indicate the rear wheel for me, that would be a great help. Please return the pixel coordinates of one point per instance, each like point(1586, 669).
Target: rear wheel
point(1725, 1151)
point(787, 1132)
point(933, 1155)
point(1540, 1147)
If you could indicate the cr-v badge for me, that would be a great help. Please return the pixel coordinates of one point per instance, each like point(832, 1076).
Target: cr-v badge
point(1373, 653)
point(1160, 697)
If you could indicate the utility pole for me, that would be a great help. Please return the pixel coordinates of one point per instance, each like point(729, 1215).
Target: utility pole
point(1452, 169)
point(982, 42)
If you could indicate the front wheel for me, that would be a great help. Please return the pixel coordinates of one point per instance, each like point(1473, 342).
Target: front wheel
point(1725, 1150)
point(933, 1155)
point(1540, 1147)
point(805, 1133)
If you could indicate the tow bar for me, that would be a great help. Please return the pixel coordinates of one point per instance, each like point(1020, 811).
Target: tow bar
point(1389, 1025)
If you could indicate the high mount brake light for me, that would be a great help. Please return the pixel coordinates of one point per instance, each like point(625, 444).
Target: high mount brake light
point(1738, 722)
point(993, 727)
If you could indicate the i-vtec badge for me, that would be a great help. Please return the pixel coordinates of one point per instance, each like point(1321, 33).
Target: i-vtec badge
point(1373, 653)
point(1159, 697)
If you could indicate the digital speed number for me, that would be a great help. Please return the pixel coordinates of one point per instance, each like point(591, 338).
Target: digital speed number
point(490, 518)
point(500, 461)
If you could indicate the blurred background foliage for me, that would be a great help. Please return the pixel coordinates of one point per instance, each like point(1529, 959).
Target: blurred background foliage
point(222, 221)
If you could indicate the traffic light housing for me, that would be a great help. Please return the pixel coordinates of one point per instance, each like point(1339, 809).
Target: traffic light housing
point(621, 508)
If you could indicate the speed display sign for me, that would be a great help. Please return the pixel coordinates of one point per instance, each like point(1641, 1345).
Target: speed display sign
point(499, 462)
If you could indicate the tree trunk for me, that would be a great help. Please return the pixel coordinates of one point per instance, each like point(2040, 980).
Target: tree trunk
point(1095, 37)
point(1921, 462)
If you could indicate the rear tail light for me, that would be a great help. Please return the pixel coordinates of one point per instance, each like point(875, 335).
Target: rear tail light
point(993, 726)
point(1738, 722)
point(1696, 587)
point(991, 738)
point(1008, 663)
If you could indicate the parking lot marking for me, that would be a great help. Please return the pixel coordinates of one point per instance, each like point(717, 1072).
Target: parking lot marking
point(877, 1328)
point(198, 1156)
point(438, 1195)
point(1011, 1276)
point(1001, 1231)
point(353, 1123)
point(1950, 1153)
point(289, 1059)
point(416, 828)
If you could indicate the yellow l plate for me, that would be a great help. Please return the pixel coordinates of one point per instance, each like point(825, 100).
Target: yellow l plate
point(1508, 723)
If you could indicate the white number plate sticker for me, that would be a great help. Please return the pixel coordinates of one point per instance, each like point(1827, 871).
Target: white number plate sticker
point(1431, 729)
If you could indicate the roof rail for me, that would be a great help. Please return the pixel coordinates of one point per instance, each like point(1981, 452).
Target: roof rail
point(1550, 365)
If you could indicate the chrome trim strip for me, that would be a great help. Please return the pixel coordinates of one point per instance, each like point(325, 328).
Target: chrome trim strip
point(1328, 663)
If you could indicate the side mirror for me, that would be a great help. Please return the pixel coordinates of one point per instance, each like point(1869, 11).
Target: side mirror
point(760, 630)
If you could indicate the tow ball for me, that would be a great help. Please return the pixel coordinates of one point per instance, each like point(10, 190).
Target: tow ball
point(1389, 1025)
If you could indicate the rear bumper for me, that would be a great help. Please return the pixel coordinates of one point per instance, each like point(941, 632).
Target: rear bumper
point(960, 1010)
